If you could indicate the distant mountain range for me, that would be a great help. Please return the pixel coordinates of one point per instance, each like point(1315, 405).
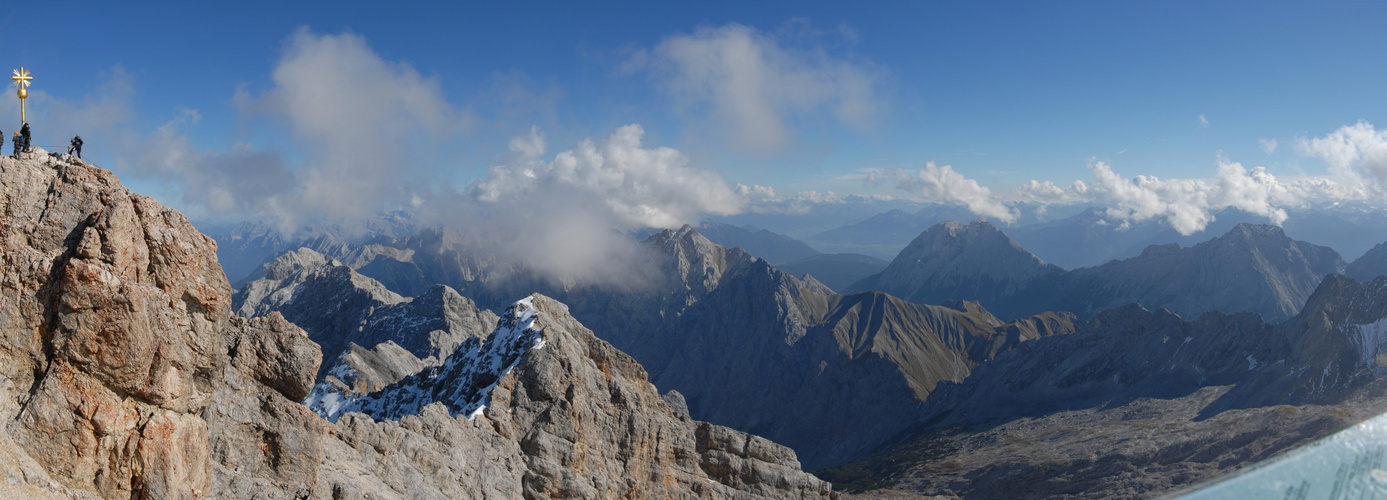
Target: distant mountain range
point(1251, 268)
point(1085, 237)
point(802, 351)
point(836, 270)
point(916, 377)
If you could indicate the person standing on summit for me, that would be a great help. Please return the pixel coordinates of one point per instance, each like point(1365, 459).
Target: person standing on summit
point(76, 146)
point(18, 144)
point(25, 132)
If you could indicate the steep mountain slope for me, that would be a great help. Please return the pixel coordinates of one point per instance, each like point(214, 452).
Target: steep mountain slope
point(1251, 268)
point(123, 374)
point(775, 248)
point(1371, 265)
point(950, 262)
point(1091, 238)
point(836, 270)
point(576, 418)
point(1182, 400)
point(802, 353)
point(116, 341)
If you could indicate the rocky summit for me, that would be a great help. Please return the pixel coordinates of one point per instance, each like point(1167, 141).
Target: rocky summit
point(124, 374)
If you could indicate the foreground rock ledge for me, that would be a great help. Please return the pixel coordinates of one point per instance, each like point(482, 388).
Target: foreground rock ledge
point(124, 375)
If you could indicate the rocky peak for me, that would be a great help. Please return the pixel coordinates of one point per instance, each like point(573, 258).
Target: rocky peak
point(950, 261)
point(1250, 231)
point(1371, 265)
point(977, 248)
point(586, 417)
point(340, 307)
point(112, 341)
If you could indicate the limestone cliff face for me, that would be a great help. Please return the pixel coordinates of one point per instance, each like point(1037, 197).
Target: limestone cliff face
point(123, 374)
point(113, 310)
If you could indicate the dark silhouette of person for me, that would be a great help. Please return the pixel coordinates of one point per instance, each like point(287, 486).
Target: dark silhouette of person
point(76, 146)
point(25, 132)
point(18, 144)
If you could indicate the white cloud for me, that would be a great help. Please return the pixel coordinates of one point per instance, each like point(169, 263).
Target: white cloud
point(1188, 205)
point(240, 180)
point(1356, 157)
point(1355, 152)
point(1048, 193)
point(1268, 145)
point(565, 216)
point(944, 185)
point(627, 184)
point(753, 84)
point(1203, 123)
point(357, 120)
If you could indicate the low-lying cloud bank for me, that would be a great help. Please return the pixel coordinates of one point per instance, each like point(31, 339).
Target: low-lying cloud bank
point(1356, 156)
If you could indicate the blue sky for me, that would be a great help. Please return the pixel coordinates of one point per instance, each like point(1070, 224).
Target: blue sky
point(1002, 93)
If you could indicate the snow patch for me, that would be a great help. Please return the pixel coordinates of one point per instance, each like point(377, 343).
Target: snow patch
point(1370, 339)
point(463, 383)
point(327, 398)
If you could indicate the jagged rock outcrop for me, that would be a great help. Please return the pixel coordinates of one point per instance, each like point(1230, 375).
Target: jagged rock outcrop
point(113, 308)
point(1251, 268)
point(573, 417)
point(123, 374)
point(340, 307)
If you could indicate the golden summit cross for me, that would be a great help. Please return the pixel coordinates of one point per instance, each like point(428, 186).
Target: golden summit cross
point(21, 79)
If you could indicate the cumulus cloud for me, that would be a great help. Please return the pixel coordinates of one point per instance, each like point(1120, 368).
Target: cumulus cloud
point(1268, 145)
point(1188, 205)
point(943, 185)
point(1355, 157)
point(753, 84)
point(1352, 153)
point(357, 120)
point(628, 184)
point(565, 216)
point(238, 180)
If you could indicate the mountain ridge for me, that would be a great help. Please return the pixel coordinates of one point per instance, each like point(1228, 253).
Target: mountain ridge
point(1251, 267)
